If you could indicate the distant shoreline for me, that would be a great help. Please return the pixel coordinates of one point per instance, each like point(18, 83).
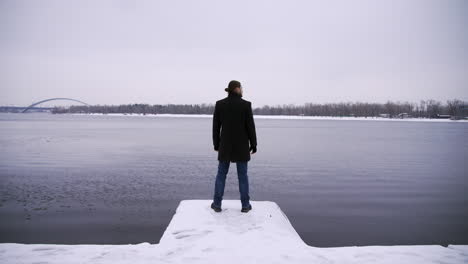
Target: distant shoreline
point(284, 117)
point(292, 117)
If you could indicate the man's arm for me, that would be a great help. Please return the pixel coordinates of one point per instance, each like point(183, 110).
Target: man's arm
point(251, 127)
point(216, 127)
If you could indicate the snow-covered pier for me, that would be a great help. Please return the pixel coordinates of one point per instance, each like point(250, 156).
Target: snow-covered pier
point(197, 234)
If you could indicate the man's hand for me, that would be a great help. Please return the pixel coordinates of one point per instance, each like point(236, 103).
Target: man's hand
point(253, 149)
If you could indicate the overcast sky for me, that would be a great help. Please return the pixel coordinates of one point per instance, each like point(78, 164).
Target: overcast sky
point(283, 52)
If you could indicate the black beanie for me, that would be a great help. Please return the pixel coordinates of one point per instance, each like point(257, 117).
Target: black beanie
point(232, 85)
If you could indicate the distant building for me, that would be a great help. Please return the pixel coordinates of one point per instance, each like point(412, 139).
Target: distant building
point(403, 115)
point(443, 116)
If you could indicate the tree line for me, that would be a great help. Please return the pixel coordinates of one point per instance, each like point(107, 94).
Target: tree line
point(425, 108)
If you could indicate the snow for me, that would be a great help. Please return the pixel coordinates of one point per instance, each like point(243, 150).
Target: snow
point(197, 234)
point(290, 117)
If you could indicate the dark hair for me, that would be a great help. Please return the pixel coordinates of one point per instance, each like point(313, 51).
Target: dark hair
point(232, 85)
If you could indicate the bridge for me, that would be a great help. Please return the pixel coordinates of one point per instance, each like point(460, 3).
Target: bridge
point(52, 99)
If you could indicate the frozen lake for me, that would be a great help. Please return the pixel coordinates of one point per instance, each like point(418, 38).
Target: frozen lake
point(85, 179)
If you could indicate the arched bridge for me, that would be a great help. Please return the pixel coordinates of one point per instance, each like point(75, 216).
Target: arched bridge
point(52, 99)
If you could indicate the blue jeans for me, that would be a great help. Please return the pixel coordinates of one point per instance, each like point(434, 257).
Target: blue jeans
point(223, 168)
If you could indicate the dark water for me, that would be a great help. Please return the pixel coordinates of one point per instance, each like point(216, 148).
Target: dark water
point(118, 179)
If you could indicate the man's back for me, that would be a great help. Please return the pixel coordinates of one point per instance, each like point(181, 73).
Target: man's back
point(233, 128)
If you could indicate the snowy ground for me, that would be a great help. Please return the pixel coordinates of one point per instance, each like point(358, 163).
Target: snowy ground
point(294, 117)
point(197, 234)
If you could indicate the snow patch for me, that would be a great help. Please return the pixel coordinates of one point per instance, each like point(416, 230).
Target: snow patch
point(291, 117)
point(197, 234)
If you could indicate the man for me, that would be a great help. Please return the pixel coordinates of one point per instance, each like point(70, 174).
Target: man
point(233, 129)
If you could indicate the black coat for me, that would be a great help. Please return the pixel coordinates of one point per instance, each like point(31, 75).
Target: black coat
point(233, 128)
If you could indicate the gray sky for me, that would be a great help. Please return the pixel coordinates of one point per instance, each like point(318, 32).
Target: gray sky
point(158, 52)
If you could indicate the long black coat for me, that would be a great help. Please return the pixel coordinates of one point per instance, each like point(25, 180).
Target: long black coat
point(233, 128)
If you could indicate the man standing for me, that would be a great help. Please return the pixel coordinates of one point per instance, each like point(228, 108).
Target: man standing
point(233, 129)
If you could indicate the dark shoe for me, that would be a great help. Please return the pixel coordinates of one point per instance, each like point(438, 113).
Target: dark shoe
point(245, 210)
point(216, 209)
